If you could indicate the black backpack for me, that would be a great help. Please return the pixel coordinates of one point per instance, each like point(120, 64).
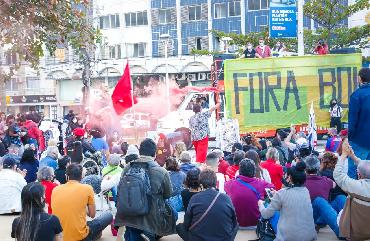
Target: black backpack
point(134, 191)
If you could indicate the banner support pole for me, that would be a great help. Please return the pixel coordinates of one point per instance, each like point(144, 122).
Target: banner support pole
point(300, 28)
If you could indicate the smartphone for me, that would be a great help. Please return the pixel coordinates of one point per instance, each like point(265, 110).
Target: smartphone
point(269, 192)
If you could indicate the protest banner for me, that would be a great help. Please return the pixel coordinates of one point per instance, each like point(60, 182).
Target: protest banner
point(271, 93)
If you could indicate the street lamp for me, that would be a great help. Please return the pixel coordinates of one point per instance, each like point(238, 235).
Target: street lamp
point(226, 41)
point(165, 40)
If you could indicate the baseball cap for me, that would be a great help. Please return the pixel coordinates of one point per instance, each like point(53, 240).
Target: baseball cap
point(9, 162)
point(79, 132)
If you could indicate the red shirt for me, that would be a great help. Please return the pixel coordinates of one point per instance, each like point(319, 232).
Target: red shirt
point(222, 166)
point(231, 171)
point(322, 50)
point(49, 186)
point(275, 171)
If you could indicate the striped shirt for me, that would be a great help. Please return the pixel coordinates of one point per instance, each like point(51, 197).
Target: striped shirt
point(336, 111)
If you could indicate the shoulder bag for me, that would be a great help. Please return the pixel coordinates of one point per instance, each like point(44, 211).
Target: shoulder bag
point(205, 213)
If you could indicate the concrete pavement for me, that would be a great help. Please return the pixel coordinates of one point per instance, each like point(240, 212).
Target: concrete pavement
point(243, 235)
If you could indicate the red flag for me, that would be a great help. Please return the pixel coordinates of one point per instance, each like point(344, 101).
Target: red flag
point(122, 95)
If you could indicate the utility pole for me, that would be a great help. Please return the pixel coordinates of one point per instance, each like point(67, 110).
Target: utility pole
point(300, 28)
point(86, 76)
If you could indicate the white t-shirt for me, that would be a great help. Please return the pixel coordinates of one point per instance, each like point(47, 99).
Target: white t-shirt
point(220, 182)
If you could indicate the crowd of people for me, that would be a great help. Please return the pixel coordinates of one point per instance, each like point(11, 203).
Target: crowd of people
point(281, 187)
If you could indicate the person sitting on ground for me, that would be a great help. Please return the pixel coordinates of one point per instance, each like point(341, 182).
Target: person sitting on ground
point(319, 187)
point(11, 184)
point(60, 172)
point(113, 167)
point(293, 202)
point(230, 157)
point(177, 180)
point(234, 168)
point(261, 173)
point(34, 223)
point(359, 192)
point(30, 164)
point(164, 150)
point(283, 153)
point(157, 221)
point(192, 186)
point(222, 163)
point(218, 223)
point(273, 167)
point(212, 161)
point(328, 162)
point(333, 141)
point(51, 159)
point(69, 203)
point(132, 154)
point(46, 177)
point(13, 152)
point(185, 159)
point(180, 147)
point(245, 191)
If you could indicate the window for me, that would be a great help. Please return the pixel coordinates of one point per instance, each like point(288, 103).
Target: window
point(258, 4)
point(10, 58)
point(109, 21)
point(195, 13)
point(33, 83)
point(220, 10)
point(234, 8)
point(164, 16)
point(198, 43)
point(11, 85)
point(115, 51)
point(136, 19)
point(139, 50)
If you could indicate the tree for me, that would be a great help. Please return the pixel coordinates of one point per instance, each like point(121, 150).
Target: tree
point(27, 27)
point(330, 13)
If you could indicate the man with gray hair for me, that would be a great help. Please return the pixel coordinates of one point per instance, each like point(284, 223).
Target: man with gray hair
point(51, 160)
point(325, 212)
point(212, 161)
point(13, 152)
point(359, 192)
point(185, 159)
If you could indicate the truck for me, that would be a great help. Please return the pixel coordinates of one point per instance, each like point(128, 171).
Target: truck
point(265, 95)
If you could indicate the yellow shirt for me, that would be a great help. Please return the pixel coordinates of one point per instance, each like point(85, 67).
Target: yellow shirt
point(69, 202)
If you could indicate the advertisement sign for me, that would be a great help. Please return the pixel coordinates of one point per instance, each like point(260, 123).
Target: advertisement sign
point(273, 93)
point(283, 19)
point(31, 99)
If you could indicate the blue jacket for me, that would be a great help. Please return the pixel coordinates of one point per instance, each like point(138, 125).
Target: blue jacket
point(49, 162)
point(359, 116)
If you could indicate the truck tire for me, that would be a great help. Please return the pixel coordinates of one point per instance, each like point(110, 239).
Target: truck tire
point(186, 137)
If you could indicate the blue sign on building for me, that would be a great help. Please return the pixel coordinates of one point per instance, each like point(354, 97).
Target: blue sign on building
point(283, 19)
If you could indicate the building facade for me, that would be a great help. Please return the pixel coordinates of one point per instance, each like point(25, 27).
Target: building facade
point(134, 31)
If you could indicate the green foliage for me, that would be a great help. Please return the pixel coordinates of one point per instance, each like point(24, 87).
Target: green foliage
point(203, 52)
point(28, 25)
point(329, 13)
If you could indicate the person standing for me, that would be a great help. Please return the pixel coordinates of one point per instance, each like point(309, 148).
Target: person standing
point(358, 121)
point(199, 127)
point(70, 202)
point(164, 150)
point(321, 48)
point(159, 218)
point(335, 115)
point(249, 52)
point(262, 50)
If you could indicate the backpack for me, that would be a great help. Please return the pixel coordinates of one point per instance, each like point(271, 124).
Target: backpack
point(74, 151)
point(134, 191)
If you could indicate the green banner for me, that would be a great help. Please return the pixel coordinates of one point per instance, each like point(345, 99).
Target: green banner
point(265, 94)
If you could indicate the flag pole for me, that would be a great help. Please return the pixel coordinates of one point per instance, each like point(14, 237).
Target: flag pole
point(133, 105)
